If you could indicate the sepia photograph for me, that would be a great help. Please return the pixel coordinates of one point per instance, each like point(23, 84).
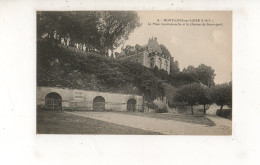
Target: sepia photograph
point(134, 72)
point(146, 82)
point(97, 82)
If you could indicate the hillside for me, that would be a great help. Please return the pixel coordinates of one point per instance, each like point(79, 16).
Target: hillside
point(65, 67)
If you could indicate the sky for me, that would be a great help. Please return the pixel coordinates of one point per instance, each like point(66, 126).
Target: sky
point(190, 44)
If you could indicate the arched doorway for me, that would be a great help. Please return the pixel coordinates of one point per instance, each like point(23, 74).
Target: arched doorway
point(131, 105)
point(99, 103)
point(53, 101)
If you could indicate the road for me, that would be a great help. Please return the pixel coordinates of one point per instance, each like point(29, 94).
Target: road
point(168, 127)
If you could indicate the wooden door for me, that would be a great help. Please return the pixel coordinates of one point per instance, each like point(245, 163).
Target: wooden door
point(99, 103)
point(53, 101)
point(131, 105)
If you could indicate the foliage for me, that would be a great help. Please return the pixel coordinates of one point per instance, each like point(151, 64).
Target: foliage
point(151, 105)
point(204, 97)
point(169, 93)
point(191, 94)
point(174, 67)
point(160, 73)
point(182, 78)
point(206, 75)
point(60, 66)
point(151, 88)
point(162, 110)
point(115, 26)
point(226, 113)
point(155, 107)
point(102, 30)
point(165, 51)
point(221, 94)
point(203, 73)
point(78, 25)
point(190, 69)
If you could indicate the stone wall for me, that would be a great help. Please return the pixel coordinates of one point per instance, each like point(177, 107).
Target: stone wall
point(139, 58)
point(83, 99)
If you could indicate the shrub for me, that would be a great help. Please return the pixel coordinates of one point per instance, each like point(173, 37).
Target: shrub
point(221, 94)
point(161, 110)
point(151, 105)
point(226, 113)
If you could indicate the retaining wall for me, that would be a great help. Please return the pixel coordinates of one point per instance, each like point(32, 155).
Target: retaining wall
point(83, 99)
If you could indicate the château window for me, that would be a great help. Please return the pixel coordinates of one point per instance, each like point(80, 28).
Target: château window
point(160, 63)
point(166, 65)
point(152, 63)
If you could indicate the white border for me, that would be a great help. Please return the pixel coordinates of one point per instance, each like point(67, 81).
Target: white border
point(20, 145)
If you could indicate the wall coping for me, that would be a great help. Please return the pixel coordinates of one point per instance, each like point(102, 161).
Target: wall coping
point(86, 90)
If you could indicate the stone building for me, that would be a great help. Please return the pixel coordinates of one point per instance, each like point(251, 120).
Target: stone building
point(55, 98)
point(149, 55)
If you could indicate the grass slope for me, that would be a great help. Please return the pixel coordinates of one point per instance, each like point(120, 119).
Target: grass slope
point(64, 67)
point(57, 122)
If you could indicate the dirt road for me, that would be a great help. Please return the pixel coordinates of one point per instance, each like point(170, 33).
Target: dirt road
point(168, 127)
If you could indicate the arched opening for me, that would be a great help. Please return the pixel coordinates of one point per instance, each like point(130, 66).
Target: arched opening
point(99, 103)
point(152, 62)
point(53, 101)
point(160, 63)
point(131, 105)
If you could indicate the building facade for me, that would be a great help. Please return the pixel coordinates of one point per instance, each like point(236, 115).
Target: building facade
point(54, 98)
point(149, 55)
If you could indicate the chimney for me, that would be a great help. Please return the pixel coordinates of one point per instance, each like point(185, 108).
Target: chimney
point(155, 38)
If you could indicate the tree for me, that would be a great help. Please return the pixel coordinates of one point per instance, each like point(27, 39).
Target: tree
point(206, 75)
point(115, 26)
point(160, 73)
point(101, 30)
point(189, 69)
point(88, 26)
point(204, 97)
point(203, 73)
point(221, 94)
point(174, 67)
point(78, 25)
point(190, 94)
point(151, 88)
point(165, 51)
point(182, 78)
